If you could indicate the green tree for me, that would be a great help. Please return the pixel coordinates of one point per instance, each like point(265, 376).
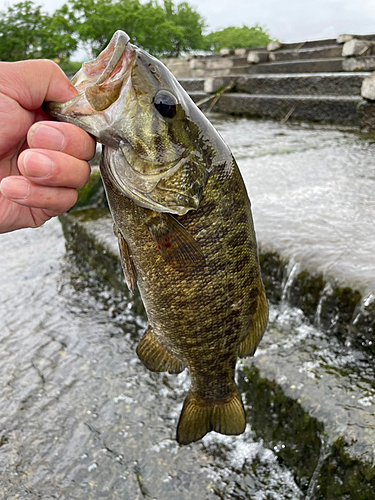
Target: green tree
point(91, 22)
point(61, 38)
point(234, 38)
point(161, 29)
point(189, 35)
point(26, 32)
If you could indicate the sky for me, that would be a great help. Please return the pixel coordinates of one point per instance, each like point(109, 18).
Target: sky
point(287, 20)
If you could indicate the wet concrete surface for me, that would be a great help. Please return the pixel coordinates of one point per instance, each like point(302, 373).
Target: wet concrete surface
point(80, 416)
point(335, 388)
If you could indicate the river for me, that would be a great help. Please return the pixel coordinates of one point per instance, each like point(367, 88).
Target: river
point(80, 415)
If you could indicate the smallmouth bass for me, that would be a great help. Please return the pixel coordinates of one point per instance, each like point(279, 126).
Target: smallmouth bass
point(183, 221)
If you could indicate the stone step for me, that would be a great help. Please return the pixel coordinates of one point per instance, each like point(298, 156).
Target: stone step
point(239, 70)
point(323, 109)
point(226, 62)
point(225, 52)
point(330, 51)
point(192, 84)
point(303, 66)
point(325, 42)
point(335, 84)
point(309, 44)
point(218, 71)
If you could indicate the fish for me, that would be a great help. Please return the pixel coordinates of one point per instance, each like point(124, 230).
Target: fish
point(183, 220)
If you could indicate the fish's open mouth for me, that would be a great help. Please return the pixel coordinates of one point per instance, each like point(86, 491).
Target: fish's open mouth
point(99, 81)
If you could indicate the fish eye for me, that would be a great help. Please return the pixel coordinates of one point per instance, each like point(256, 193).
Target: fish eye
point(166, 103)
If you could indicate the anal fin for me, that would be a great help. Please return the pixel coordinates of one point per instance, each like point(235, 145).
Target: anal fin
point(126, 261)
point(155, 356)
point(249, 344)
point(199, 416)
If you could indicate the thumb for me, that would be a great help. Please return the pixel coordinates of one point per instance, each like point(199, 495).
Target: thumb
point(32, 82)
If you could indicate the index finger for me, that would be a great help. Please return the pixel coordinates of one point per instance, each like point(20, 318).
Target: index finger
point(63, 137)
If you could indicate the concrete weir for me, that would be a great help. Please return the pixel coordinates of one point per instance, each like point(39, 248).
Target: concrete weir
point(309, 390)
point(307, 396)
point(313, 81)
point(325, 98)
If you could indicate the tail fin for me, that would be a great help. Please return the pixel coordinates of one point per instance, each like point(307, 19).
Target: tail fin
point(200, 416)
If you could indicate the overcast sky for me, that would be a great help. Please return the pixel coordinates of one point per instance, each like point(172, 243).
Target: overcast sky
point(287, 20)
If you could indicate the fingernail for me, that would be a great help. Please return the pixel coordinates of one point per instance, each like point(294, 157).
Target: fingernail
point(37, 164)
point(16, 188)
point(47, 137)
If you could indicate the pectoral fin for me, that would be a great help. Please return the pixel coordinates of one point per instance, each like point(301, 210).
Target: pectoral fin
point(177, 246)
point(126, 261)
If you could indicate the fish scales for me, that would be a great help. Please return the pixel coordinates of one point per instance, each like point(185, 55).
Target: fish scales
point(185, 229)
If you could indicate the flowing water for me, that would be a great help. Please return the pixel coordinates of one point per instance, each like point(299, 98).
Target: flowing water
point(312, 192)
point(82, 418)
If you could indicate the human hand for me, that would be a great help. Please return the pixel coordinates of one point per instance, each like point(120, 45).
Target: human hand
point(42, 163)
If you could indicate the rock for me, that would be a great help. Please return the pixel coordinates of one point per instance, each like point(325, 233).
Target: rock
point(368, 88)
point(197, 64)
point(255, 57)
point(220, 64)
point(355, 47)
point(240, 52)
point(273, 46)
point(273, 56)
point(212, 84)
point(366, 112)
point(344, 38)
point(365, 63)
point(226, 52)
point(179, 67)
